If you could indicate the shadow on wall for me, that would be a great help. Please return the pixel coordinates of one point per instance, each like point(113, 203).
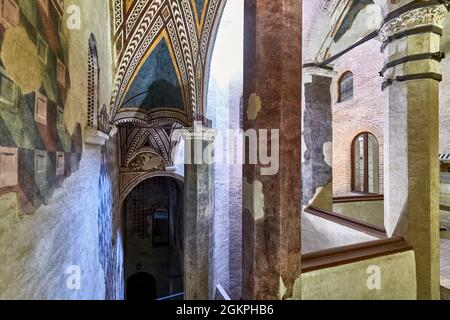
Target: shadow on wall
point(160, 93)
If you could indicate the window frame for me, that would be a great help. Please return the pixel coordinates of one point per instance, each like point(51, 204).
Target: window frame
point(343, 77)
point(366, 163)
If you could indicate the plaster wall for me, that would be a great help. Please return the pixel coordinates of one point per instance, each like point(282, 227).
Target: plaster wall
point(350, 281)
point(42, 247)
point(51, 241)
point(371, 212)
point(444, 110)
point(445, 189)
point(320, 234)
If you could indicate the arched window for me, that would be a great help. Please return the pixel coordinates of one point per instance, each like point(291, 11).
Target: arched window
point(93, 84)
point(365, 164)
point(103, 120)
point(346, 87)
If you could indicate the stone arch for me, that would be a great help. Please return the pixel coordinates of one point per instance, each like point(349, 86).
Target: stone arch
point(147, 176)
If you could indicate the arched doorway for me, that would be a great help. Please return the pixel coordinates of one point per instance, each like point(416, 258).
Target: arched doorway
point(154, 239)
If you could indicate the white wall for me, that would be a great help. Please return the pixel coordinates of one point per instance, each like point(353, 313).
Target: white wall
point(223, 108)
point(320, 234)
point(350, 281)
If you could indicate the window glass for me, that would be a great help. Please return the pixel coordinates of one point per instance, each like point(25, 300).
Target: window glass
point(346, 87)
point(366, 171)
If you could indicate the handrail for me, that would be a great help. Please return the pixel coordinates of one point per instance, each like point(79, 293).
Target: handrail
point(171, 297)
point(221, 294)
point(361, 226)
point(353, 253)
point(358, 198)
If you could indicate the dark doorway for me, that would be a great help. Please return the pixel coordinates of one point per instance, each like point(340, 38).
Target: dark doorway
point(154, 239)
point(141, 286)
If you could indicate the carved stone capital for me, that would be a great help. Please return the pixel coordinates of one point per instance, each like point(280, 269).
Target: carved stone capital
point(432, 15)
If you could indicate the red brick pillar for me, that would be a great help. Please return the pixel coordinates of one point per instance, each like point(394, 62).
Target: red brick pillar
point(272, 96)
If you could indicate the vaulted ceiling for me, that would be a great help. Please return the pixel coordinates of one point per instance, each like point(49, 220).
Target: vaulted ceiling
point(162, 50)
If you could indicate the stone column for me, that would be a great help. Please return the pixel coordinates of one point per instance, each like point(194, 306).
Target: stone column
point(272, 98)
point(198, 212)
point(317, 173)
point(411, 85)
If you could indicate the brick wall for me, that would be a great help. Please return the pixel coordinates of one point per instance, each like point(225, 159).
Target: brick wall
point(364, 113)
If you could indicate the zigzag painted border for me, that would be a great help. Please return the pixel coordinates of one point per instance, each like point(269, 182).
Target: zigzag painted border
point(133, 55)
point(178, 54)
point(193, 35)
point(117, 14)
point(209, 23)
point(182, 35)
point(136, 12)
point(191, 48)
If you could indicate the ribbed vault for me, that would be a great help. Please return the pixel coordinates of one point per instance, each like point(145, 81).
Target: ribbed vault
point(162, 51)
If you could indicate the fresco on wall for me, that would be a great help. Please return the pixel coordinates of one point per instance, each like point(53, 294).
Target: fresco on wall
point(36, 150)
point(199, 4)
point(156, 84)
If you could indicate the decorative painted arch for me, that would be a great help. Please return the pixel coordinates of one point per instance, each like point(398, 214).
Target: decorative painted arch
point(93, 84)
point(189, 27)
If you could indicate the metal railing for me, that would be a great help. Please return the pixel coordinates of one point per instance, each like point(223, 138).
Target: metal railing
point(174, 297)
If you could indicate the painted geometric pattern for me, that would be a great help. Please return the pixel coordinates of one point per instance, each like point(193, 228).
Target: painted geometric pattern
point(143, 21)
point(148, 88)
point(36, 150)
point(199, 6)
point(164, 89)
